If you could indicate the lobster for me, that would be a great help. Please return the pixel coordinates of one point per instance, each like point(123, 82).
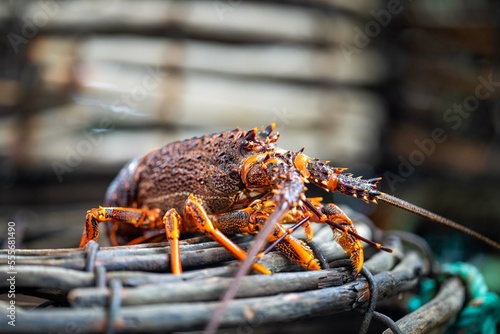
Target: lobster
point(236, 182)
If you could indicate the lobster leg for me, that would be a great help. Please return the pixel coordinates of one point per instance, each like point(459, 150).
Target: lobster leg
point(147, 218)
point(344, 233)
point(172, 221)
point(195, 213)
point(250, 221)
point(294, 249)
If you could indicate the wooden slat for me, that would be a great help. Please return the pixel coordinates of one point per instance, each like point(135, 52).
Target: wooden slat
point(252, 20)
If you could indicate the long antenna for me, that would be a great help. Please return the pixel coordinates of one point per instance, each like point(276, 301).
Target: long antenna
point(257, 245)
point(434, 217)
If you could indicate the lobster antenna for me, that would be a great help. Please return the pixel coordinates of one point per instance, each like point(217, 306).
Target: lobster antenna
point(252, 254)
point(435, 217)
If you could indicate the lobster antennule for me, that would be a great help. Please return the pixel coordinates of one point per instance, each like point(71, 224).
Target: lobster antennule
point(397, 202)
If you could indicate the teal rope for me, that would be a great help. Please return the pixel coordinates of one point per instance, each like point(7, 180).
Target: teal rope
point(427, 291)
point(482, 311)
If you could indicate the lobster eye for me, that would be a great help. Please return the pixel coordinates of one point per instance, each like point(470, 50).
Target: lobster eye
point(254, 172)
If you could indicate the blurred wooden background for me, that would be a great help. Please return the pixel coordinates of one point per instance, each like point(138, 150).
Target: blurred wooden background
point(87, 85)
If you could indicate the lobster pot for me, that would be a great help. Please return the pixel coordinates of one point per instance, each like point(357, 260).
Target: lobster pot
point(129, 289)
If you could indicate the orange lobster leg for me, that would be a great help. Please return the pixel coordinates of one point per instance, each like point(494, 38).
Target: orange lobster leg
point(195, 212)
point(250, 221)
point(136, 217)
point(294, 249)
point(341, 225)
point(351, 245)
point(172, 221)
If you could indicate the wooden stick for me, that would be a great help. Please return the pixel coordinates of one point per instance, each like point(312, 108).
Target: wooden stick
point(251, 312)
point(436, 313)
